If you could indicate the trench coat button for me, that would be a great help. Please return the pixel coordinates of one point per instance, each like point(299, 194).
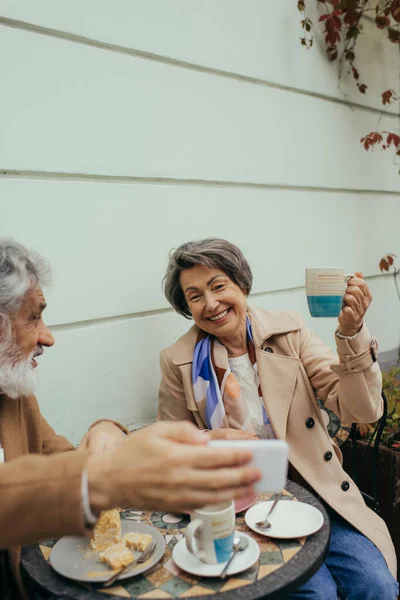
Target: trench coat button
point(328, 455)
point(310, 423)
point(345, 486)
point(268, 349)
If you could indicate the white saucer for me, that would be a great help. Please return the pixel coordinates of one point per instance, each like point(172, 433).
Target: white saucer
point(290, 519)
point(186, 561)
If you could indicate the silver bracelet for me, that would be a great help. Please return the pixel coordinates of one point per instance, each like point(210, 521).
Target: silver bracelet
point(90, 518)
point(347, 337)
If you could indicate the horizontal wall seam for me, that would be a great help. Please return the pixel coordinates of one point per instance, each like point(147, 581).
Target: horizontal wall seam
point(130, 179)
point(159, 311)
point(86, 41)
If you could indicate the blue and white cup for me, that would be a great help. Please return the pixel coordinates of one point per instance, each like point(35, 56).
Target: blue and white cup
point(325, 289)
point(209, 535)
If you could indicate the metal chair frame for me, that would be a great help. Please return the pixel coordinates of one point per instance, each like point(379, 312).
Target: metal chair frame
point(371, 501)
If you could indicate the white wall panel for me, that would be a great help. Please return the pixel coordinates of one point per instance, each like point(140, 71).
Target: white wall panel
point(71, 108)
point(108, 243)
point(111, 370)
point(252, 38)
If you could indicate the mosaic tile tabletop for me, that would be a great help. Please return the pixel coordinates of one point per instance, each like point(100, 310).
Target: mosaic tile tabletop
point(166, 580)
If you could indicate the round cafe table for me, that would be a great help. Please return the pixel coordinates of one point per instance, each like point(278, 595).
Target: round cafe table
point(283, 566)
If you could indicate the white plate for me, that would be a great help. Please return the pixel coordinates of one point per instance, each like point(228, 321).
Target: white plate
point(72, 557)
point(186, 561)
point(290, 519)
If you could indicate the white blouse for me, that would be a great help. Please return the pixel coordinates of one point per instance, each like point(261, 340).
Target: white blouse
point(246, 377)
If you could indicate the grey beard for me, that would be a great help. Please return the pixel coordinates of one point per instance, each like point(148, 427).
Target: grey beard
point(17, 375)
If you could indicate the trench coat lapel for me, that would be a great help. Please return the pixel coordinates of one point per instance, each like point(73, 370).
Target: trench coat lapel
point(277, 373)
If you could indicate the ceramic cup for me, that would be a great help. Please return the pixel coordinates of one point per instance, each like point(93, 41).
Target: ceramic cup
point(209, 536)
point(325, 288)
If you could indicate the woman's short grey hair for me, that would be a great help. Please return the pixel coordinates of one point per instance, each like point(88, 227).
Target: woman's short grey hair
point(213, 253)
point(20, 271)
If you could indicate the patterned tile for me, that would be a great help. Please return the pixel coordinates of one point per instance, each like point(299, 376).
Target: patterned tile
point(288, 553)
point(176, 586)
point(271, 558)
point(250, 575)
point(50, 542)
point(138, 586)
point(265, 570)
point(46, 551)
point(160, 576)
point(212, 583)
point(154, 594)
point(197, 590)
point(233, 584)
point(118, 591)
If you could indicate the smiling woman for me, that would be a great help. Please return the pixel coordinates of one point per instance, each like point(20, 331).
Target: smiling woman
point(243, 372)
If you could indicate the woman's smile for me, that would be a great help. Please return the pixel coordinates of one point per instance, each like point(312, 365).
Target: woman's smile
point(220, 317)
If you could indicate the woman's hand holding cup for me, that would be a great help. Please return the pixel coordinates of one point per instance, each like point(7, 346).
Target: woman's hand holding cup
point(356, 300)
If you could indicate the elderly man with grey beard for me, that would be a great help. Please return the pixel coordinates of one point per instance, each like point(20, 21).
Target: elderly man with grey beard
point(47, 488)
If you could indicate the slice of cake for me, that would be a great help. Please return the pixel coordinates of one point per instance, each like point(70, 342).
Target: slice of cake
point(107, 530)
point(117, 556)
point(137, 541)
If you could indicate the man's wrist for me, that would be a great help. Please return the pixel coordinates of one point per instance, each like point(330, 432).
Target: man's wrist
point(98, 490)
point(89, 517)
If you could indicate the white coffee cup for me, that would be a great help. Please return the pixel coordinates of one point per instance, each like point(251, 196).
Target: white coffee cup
point(325, 289)
point(209, 536)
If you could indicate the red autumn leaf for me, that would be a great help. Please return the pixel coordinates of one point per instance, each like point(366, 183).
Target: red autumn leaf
point(376, 138)
point(383, 265)
point(371, 139)
point(336, 22)
point(366, 141)
point(387, 97)
point(356, 74)
point(351, 17)
point(362, 88)
point(323, 18)
point(394, 139)
point(390, 259)
point(394, 35)
point(301, 5)
point(382, 22)
point(395, 10)
point(333, 24)
point(332, 38)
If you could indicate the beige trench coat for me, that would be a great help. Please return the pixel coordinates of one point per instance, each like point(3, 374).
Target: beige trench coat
point(300, 369)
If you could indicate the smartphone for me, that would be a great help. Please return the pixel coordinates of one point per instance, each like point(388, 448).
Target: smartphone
point(269, 456)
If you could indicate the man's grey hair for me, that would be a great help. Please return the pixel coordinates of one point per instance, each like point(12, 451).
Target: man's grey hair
point(20, 271)
point(213, 253)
